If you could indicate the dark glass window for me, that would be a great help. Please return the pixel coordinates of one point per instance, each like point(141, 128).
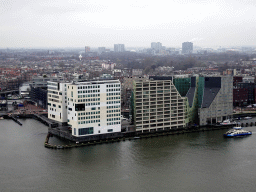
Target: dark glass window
point(79, 107)
point(85, 131)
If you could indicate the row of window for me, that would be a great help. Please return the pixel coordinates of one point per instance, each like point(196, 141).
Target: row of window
point(113, 111)
point(87, 104)
point(114, 85)
point(88, 100)
point(88, 87)
point(92, 104)
point(113, 123)
point(111, 90)
point(87, 122)
point(112, 107)
point(113, 119)
point(91, 95)
point(89, 117)
point(112, 102)
point(89, 113)
point(112, 98)
point(113, 115)
point(112, 94)
point(89, 91)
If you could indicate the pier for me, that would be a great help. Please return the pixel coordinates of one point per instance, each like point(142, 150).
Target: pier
point(15, 120)
point(50, 123)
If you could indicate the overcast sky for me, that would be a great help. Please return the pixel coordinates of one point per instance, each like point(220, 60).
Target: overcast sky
point(76, 23)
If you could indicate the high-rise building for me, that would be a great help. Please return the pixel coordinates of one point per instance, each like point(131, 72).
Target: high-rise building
point(156, 45)
point(119, 48)
point(157, 105)
point(159, 102)
point(87, 49)
point(89, 108)
point(187, 47)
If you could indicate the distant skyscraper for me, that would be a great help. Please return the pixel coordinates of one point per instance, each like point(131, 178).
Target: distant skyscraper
point(87, 49)
point(156, 46)
point(119, 48)
point(187, 47)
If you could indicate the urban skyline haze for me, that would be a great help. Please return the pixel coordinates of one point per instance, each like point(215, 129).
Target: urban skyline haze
point(76, 23)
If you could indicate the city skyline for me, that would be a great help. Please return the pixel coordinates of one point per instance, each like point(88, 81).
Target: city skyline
point(75, 23)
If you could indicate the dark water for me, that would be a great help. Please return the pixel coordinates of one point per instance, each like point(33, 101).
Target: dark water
point(191, 162)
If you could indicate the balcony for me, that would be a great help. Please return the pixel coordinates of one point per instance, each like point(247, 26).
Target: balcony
point(139, 120)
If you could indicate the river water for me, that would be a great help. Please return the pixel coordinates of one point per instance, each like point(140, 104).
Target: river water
point(197, 162)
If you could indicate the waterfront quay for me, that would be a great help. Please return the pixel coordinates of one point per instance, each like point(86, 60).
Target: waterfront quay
point(64, 133)
point(128, 131)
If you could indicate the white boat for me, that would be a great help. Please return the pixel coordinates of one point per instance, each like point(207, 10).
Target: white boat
point(228, 122)
point(236, 132)
point(248, 117)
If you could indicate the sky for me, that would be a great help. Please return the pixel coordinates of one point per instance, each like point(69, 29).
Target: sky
point(135, 23)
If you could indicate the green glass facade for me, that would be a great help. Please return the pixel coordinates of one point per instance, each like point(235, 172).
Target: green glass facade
point(182, 85)
point(200, 87)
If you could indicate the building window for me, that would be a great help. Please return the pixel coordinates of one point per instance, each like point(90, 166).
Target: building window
point(85, 131)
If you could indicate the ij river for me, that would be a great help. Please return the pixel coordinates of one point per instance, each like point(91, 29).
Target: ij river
point(197, 162)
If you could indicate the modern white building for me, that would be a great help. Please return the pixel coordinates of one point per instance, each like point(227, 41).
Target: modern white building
point(91, 107)
point(57, 101)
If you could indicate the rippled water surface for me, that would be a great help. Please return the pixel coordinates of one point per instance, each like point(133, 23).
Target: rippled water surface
point(202, 161)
